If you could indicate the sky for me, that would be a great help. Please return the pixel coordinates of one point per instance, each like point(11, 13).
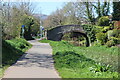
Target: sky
point(46, 7)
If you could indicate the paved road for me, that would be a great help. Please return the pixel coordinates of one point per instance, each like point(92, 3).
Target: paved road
point(36, 63)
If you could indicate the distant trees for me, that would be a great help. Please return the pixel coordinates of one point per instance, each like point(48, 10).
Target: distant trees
point(78, 13)
point(14, 16)
point(71, 13)
point(56, 18)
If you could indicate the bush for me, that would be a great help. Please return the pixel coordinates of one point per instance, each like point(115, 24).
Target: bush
point(91, 31)
point(110, 43)
point(101, 37)
point(116, 40)
point(106, 28)
point(103, 21)
point(116, 33)
point(98, 28)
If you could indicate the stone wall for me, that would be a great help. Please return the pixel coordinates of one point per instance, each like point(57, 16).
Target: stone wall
point(57, 33)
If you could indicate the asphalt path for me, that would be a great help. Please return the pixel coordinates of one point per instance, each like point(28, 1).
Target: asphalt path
point(36, 63)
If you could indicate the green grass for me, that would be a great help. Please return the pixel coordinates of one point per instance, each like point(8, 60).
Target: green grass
point(84, 62)
point(12, 50)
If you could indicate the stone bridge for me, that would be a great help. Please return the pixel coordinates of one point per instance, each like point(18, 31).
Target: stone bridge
point(57, 33)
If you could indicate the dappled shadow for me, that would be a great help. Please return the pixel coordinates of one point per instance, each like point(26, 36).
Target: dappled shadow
point(36, 60)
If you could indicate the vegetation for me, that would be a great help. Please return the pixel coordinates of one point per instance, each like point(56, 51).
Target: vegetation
point(78, 13)
point(13, 16)
point(12, 50)
point(102, 38)
point(116, 11)
point(103, 21)
point(90, 30)
point(100, 60)
point(82, 62)
point(97, 27)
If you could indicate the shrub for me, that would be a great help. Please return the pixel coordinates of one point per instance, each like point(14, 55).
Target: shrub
point(101, 37)
point(116, 40)
point(116, 33)
point(98, 29)
point(91, 31)
point(103, 21)
point(110, 43)
point(106, 28)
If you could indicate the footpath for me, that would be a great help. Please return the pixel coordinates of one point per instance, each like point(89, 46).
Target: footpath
point(36, 63)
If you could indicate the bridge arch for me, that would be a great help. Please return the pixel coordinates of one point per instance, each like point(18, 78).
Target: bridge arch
point(57, 33)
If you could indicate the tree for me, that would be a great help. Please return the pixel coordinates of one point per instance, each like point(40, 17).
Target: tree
point(29, 23)
point(102, 8)
point(116, 11)
point(105, 8)
point(89, 12)
point(55, 19)
point(13, 17)
point(35, 28)
point(74, 13)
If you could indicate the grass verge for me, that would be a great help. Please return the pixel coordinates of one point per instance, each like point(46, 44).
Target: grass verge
point(84, 62)
point(12, 50)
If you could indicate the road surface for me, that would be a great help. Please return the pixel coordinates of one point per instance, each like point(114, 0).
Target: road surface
point(36, 63)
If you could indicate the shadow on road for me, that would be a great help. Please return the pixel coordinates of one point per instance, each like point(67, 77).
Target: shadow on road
point(36, 60)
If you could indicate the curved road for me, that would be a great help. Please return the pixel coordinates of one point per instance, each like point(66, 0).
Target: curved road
point(36, 63)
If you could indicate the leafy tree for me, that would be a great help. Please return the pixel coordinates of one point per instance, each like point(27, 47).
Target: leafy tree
point(12, 16)
point(35, 28)
point(28, 22)
point(103, 21)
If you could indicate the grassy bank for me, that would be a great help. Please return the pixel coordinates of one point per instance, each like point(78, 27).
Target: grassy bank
point(12, 50)
point(84, 62)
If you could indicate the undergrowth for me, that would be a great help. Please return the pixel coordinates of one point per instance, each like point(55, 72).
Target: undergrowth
point(84, 62)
